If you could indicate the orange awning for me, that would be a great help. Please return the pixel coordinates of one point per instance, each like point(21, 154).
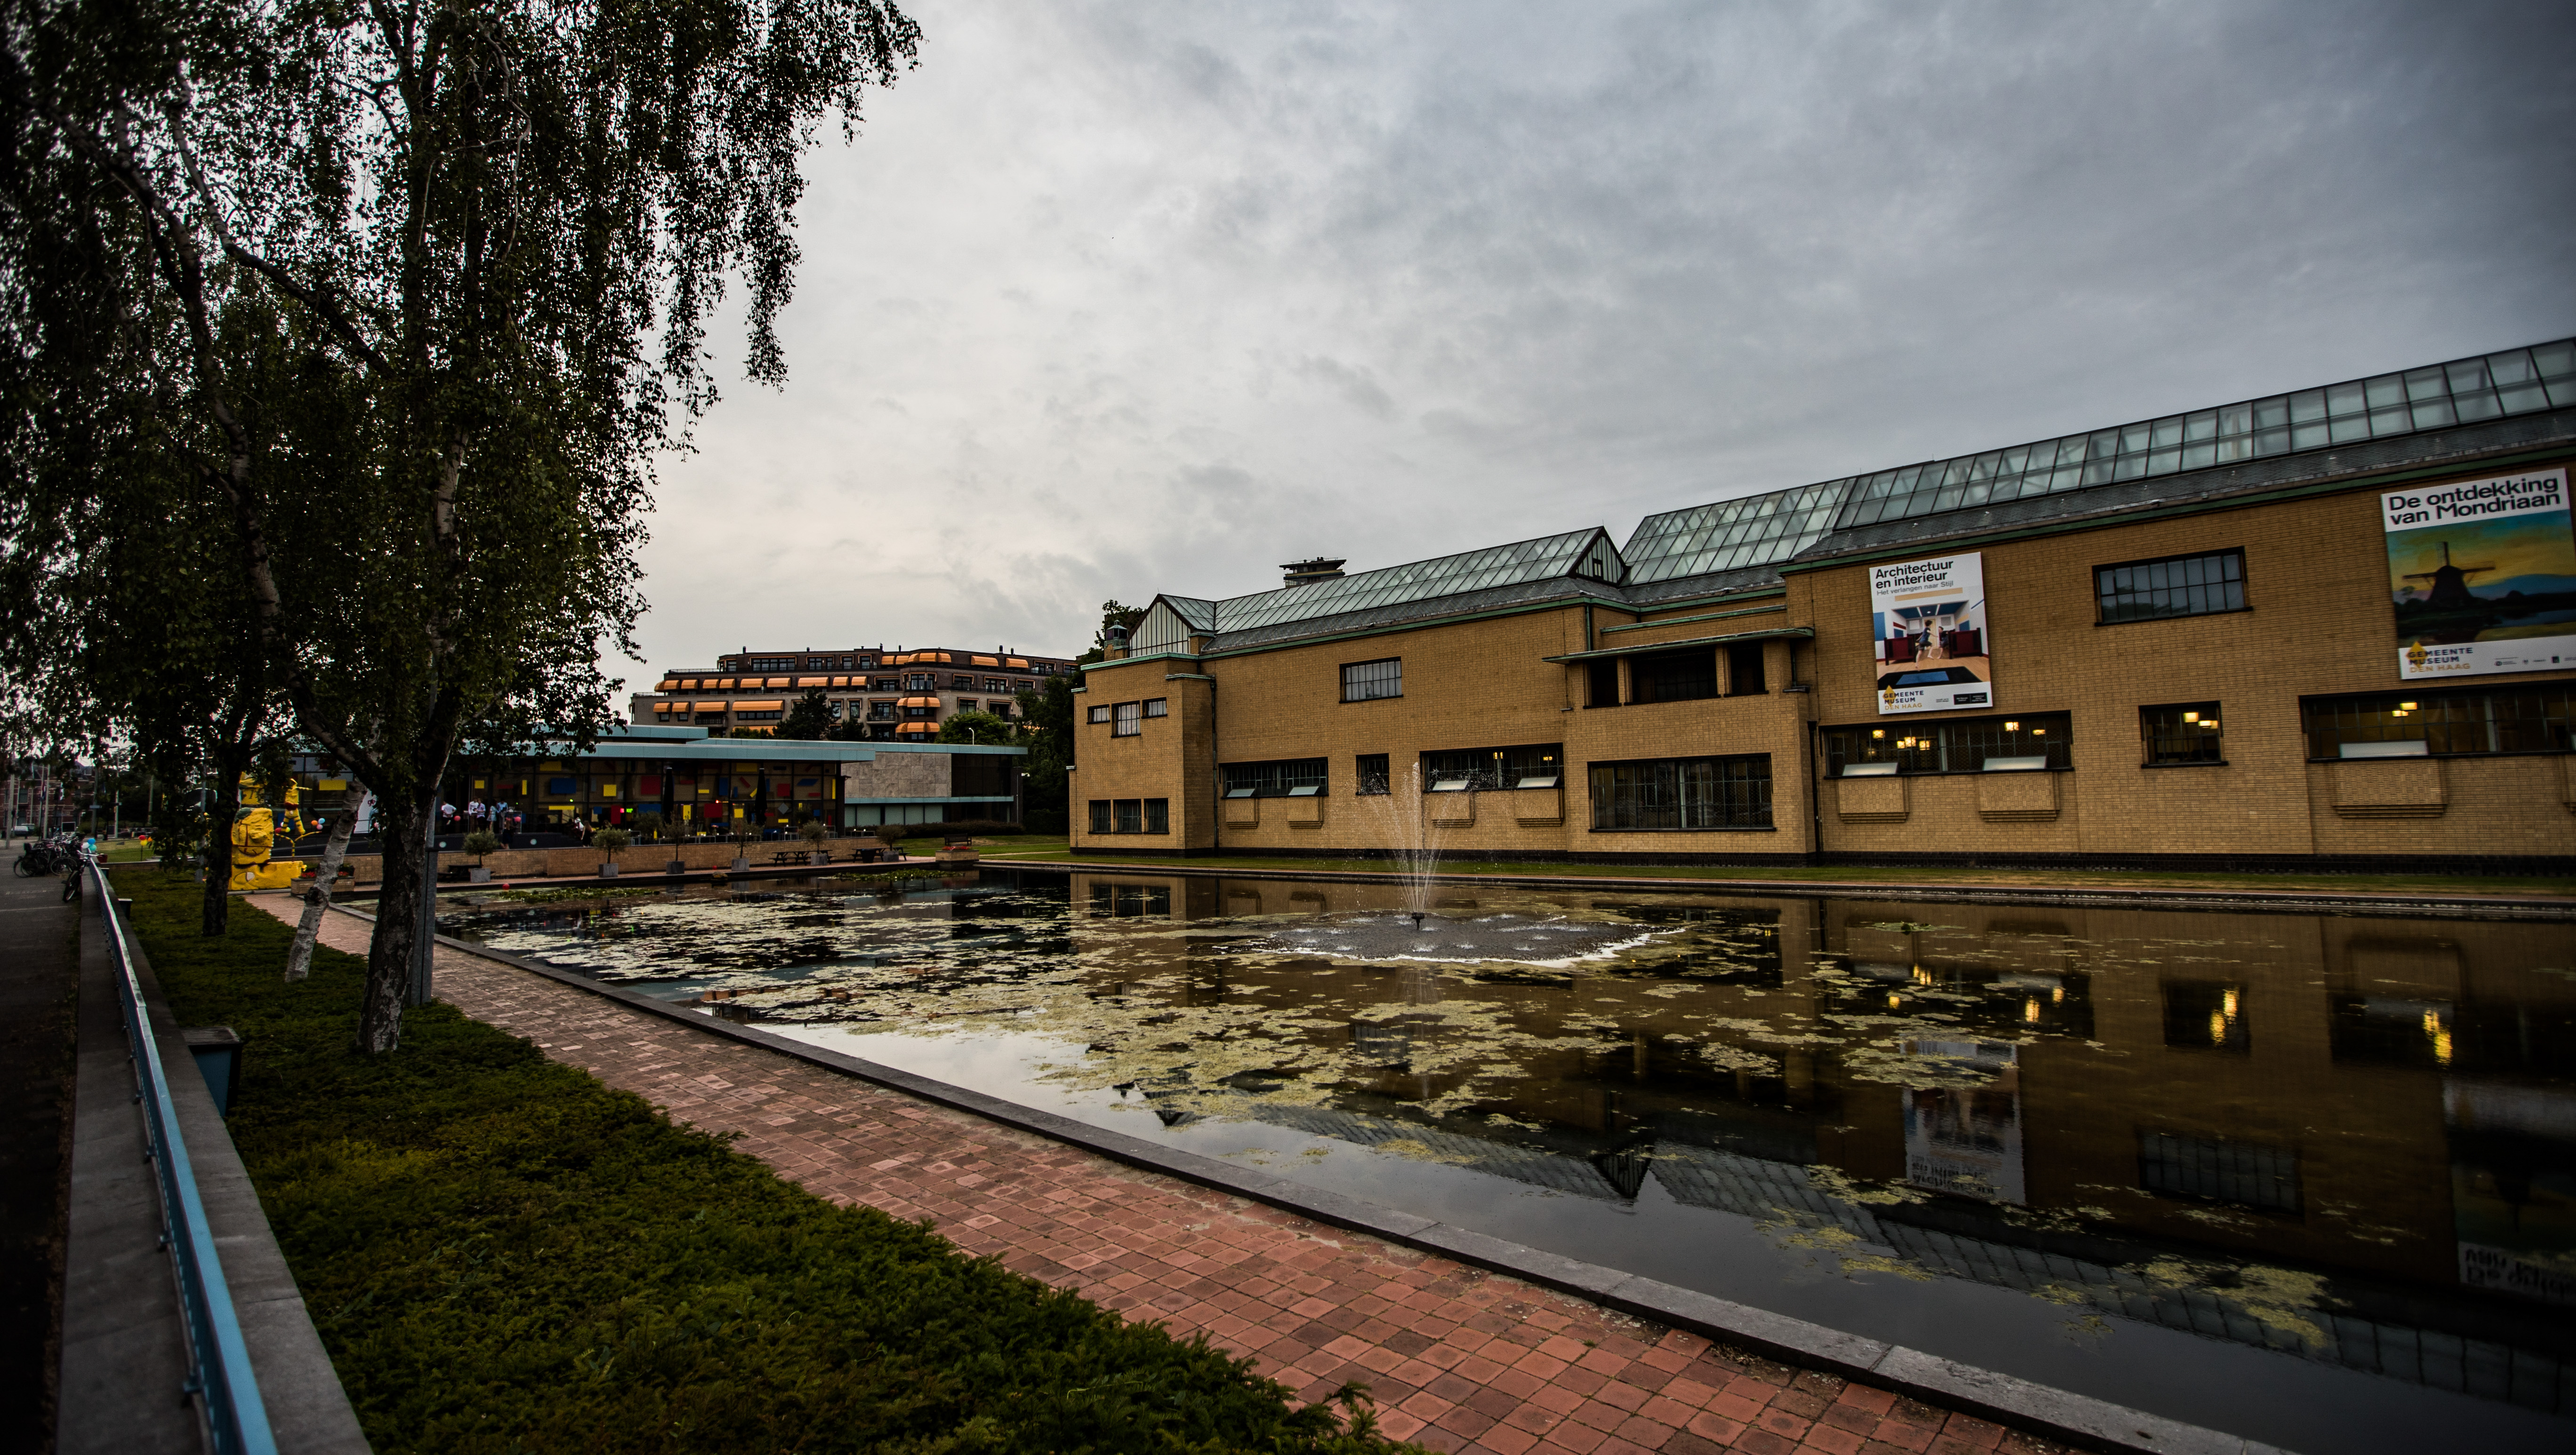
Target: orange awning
point(759, 706)
point(988, 661)
point(711, 707)
point(840, 681)
point(915, 727)
point(917, 702)
point(1021, 662)
point(808, 682)
point(667, 684)
point(772, 682)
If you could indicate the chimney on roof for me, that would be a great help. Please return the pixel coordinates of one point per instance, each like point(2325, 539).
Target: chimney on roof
point(1322, 568)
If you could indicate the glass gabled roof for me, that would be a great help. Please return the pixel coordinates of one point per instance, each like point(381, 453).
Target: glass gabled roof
point(1750, 530)
point(2437, 396)
point(1762, 530)
point(1586, 552)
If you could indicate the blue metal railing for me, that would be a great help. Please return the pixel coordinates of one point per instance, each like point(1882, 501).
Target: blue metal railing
point(219, 1362)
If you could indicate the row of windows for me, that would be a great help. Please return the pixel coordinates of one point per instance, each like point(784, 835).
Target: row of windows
point(1131, 815)
point(1127, 719)
point(909, 682)
point(2451, 723)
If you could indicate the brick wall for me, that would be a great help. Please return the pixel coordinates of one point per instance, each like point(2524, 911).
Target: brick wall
point(2317, 623)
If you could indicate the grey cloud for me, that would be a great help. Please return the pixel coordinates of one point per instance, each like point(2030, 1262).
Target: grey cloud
point(1575, 264)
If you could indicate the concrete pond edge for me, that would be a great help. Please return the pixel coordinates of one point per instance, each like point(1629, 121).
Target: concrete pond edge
point(2063, 1415)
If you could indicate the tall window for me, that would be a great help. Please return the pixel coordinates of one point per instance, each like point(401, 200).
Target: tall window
point(1101, 822)
point(2184, 732)
point(1954, 745)
point(1126, 719)
point(1158, 707)
point(1674, 676)
point(2498, 720)
point(1744, 670)
point(1369, 681)
point(1373, 774)
point(1529, 765)
point(1603, 680)
point(1683, 793)
point(1288, 778)
point(2174, 586)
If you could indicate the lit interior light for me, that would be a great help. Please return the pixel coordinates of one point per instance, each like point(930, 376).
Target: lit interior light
point(2217, 1029)
point(2229, 1002)
point(2191, 717)
point(2209, 725)
point(2406, 707)
point(2030, 1010)
point(1878, 732)
point(2440, 1034)
point(2058, 995)
point(2012, 727)
point(2039, 732)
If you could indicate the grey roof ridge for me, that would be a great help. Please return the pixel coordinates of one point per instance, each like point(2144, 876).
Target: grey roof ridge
point(1396, 615)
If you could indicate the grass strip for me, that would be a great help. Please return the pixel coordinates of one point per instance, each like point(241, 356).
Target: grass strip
point(504, 1255)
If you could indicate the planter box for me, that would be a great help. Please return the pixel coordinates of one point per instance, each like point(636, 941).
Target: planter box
point(608, 870)
point(478, 875)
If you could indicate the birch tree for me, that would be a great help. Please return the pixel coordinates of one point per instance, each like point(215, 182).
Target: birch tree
point(473, 246)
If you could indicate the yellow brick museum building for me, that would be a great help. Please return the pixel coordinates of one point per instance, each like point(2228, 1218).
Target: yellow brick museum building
point(2334, 627)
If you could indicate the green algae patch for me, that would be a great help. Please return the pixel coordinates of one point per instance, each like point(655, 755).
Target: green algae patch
point(502, 1254)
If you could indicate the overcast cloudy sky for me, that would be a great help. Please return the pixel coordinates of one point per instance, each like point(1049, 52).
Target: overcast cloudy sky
point(1125, 297)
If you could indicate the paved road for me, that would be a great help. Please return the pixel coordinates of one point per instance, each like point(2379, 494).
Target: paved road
point(39, 987)
point(1458, 1359)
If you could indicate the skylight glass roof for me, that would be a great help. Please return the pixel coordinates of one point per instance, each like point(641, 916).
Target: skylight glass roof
point(2438, 396)
point(1585, 552)
point(1762, 530)
point(1750, 530)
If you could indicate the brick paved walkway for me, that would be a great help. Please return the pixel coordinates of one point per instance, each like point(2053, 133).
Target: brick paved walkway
point(1458, 1359)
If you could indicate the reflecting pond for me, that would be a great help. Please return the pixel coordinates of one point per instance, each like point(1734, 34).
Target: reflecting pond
point(2304, 1178)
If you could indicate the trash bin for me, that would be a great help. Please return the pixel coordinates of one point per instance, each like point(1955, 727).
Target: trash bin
point(217, 1051)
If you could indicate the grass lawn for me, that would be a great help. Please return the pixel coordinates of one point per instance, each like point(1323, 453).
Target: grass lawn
point(1054, 849)
point(504, 1255)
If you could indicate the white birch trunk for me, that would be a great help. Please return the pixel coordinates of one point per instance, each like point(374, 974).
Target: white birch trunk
point(335, 847)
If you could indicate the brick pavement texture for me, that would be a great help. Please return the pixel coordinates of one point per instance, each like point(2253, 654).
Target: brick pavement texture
point(1458, 1359)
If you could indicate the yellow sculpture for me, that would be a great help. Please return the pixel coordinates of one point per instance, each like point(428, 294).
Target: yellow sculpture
point(255, 837)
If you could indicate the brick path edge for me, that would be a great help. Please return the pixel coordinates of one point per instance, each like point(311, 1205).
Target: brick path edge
point(1830, 1393)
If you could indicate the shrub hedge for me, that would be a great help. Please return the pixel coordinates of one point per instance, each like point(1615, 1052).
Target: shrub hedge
point(504, 1255)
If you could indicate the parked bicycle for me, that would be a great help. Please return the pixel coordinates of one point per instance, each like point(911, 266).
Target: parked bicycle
point(41, 857)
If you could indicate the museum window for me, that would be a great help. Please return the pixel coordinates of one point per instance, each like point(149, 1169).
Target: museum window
point(2247, 1174)
point(1603, 678)
point(2172, 586)
point(1682, 793)
point(880, 712)
point(1744, 670)
point(2206, 1015)
point(1286, 778)
point(1369, 681)
point(1126, 719)
point(2179, 733)
point(1674, 676)
point(2417, 724)
point(1158, 707)
point(1100, 713)
point(1462, 770)
point(1100, 811)
point(1372, 775)
point(1952, 745)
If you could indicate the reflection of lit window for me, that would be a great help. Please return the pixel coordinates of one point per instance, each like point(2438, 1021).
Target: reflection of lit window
point(2205, 1015)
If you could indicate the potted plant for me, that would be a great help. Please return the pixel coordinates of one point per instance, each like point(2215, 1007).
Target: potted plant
point(741, 860)
point(890, 837)
point(609, 841)
point(814, 833)
point(479, 843)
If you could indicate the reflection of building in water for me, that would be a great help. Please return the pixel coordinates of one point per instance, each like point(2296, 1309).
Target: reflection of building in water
point(2340, 1138)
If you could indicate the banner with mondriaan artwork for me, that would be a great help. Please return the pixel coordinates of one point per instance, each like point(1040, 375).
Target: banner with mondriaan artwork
point(2483, 574)
point(1928, 622)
